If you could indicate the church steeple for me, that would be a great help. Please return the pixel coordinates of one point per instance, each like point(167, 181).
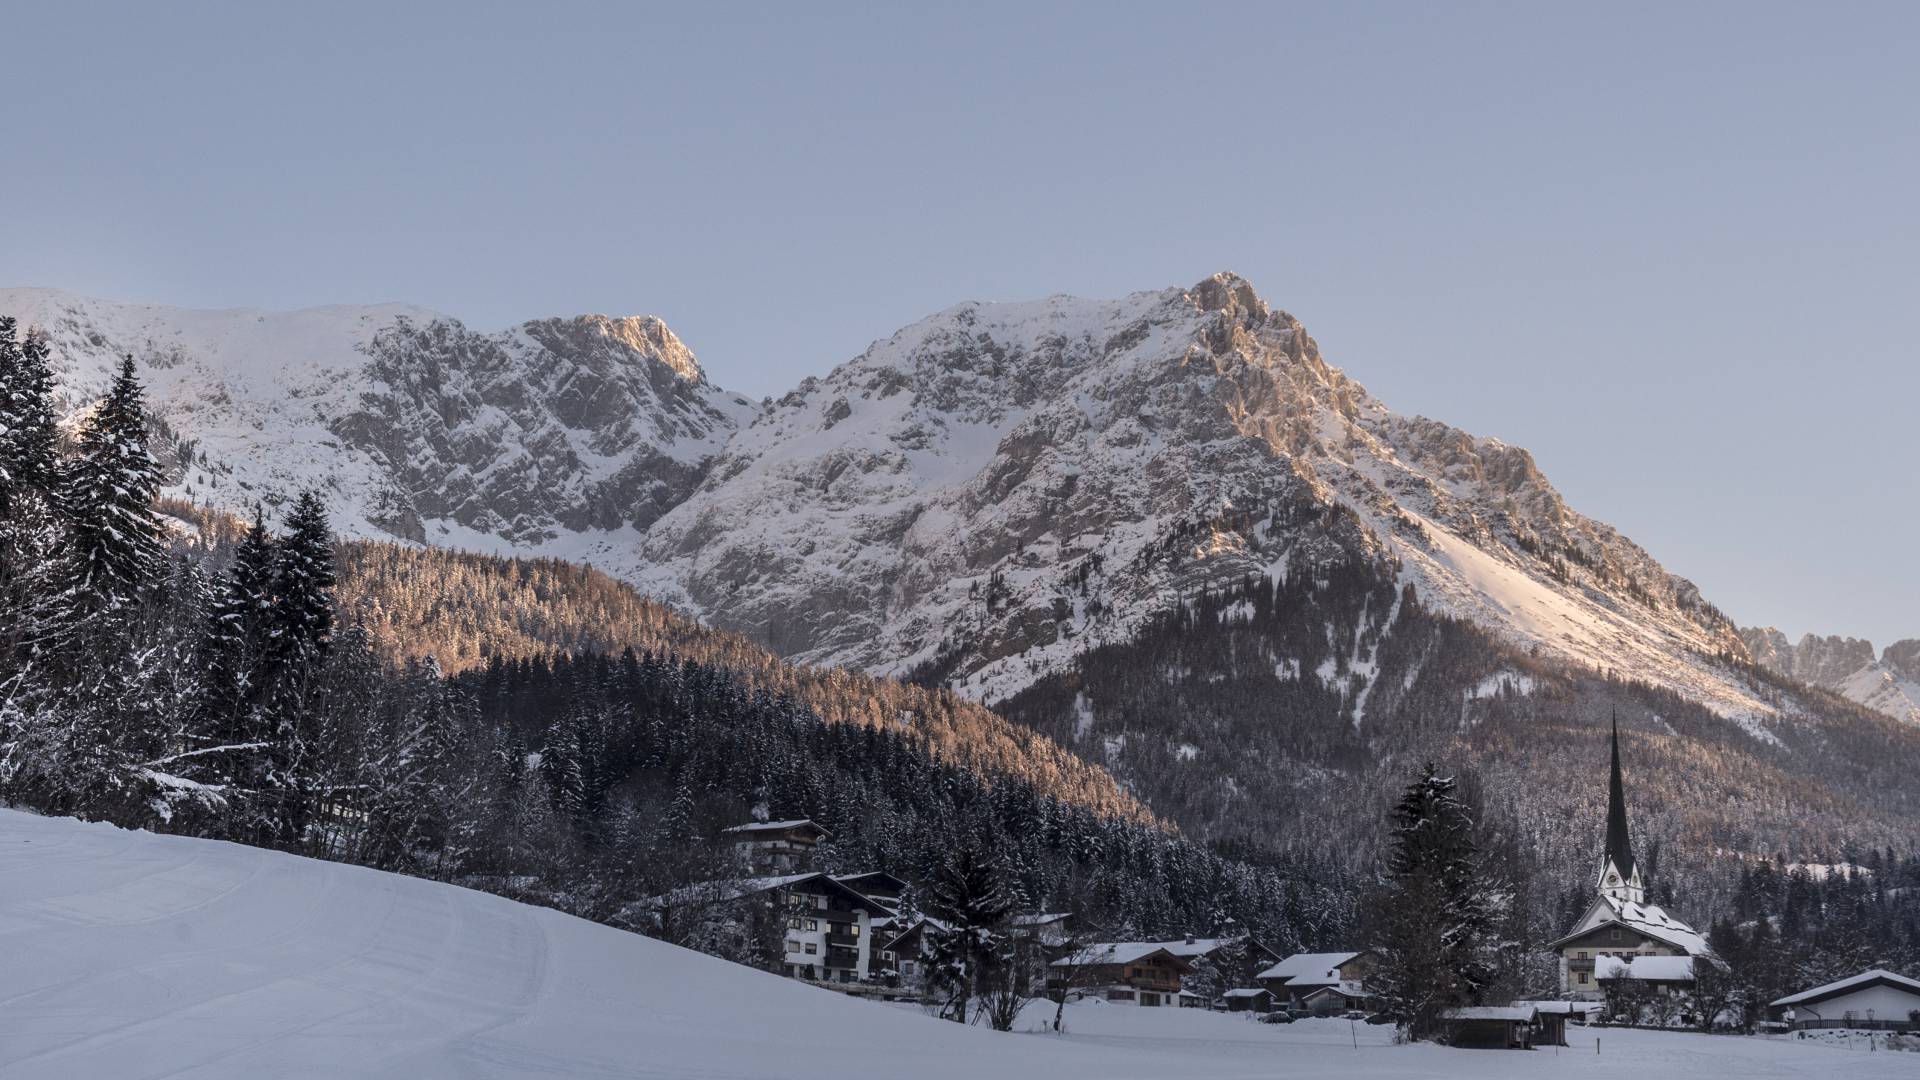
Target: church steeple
point(1619, 877)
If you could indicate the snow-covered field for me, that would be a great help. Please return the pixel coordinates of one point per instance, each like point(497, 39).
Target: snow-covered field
point(128, 955)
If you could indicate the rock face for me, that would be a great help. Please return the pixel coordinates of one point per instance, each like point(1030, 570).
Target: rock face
point(561, 433)
point(1889, 684)
point(991, 491)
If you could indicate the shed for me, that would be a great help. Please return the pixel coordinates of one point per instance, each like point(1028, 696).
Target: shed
point(1491, 1027)
point(1248, 999)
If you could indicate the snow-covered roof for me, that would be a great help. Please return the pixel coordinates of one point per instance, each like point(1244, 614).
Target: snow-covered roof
point(774, 826)
point(1490, 1012)
point(1878, 976)
point(1648, 968)
point(1310, 969)
point(718, 892)
point(1246, 992)
point(727, 890)
point(1569, 1008)
point(1648, 919)
point(1653, 920)
point(1117, 952)
point(1347, 988)
point(1043, 919)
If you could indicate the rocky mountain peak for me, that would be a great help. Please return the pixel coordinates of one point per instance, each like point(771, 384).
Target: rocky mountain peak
point(1846, 666)
point(1903, 657)
point(643, 338)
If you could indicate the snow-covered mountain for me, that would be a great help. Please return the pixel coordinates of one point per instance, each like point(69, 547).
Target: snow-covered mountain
point(555, 431)
point(1889, 683)
point(985, 493)
point(990, 490)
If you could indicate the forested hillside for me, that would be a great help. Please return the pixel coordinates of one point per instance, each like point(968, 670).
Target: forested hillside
point(1236, 715)
point(466, 610)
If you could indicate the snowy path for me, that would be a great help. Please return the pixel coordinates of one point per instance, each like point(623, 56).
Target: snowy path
point(127, 955)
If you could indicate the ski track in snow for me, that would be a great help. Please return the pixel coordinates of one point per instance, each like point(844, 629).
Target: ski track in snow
point(132, 956)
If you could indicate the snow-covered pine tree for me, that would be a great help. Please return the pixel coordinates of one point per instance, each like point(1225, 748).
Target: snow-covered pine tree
point(301, 622)
point(28, 433)
point(232, 650)
point(31, 540)
point(299, 633)
point(108, 499)
point(1433, 909)
point(968, 907)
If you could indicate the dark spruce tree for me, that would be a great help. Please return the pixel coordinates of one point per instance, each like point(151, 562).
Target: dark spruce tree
point(108, 499)
point(299, 634)
point(30, 537)
point(968, 904)
point(1432, 912)
point(233, 648)
point(28, 433)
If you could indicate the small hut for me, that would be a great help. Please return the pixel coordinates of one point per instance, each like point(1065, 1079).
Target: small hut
point(1491, 1027)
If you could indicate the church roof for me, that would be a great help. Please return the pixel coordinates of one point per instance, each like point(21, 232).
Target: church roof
point(1648, 919)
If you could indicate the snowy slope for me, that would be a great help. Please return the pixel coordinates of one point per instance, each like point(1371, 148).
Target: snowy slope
point(579, 430)
point(134, 956)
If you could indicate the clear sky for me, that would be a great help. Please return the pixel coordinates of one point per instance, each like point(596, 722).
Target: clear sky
point(1672, 249)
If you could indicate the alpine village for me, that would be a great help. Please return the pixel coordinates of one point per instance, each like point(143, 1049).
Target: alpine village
point(409, 709)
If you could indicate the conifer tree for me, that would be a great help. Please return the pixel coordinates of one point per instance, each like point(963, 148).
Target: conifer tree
point(968, 904)
point(30, 538)
point(232, 652)
point(1433, 911)
point(108, 498)
point(301, 623)
point(299, 634)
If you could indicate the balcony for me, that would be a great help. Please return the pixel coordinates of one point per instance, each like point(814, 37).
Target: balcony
point(842, 958)
point(843, 937)
point(838, 916)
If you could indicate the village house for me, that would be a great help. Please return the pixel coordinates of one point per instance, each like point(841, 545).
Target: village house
point(1239, 959)
point(776, 847)
point(1324, 983)
point(1621, 936)
point(1877, 999)
point(1124, 972)
point(825, 927)
point(905, 948)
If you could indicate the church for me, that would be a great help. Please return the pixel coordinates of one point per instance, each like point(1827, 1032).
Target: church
point(1621, 936)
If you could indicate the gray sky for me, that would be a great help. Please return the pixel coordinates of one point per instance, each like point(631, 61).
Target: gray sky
point(1671, 252)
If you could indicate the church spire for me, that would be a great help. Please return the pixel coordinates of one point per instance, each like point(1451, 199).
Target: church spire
point(1619, 845)
point(1619, 877)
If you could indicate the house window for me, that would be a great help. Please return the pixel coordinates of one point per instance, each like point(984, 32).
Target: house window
point(1580, 954)
point(813, 924)
point(793, 946)
point(812, 949)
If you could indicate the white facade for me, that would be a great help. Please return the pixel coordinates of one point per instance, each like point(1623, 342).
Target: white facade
point(1869, 1003)
point(821, 938)
point(1871, 997)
